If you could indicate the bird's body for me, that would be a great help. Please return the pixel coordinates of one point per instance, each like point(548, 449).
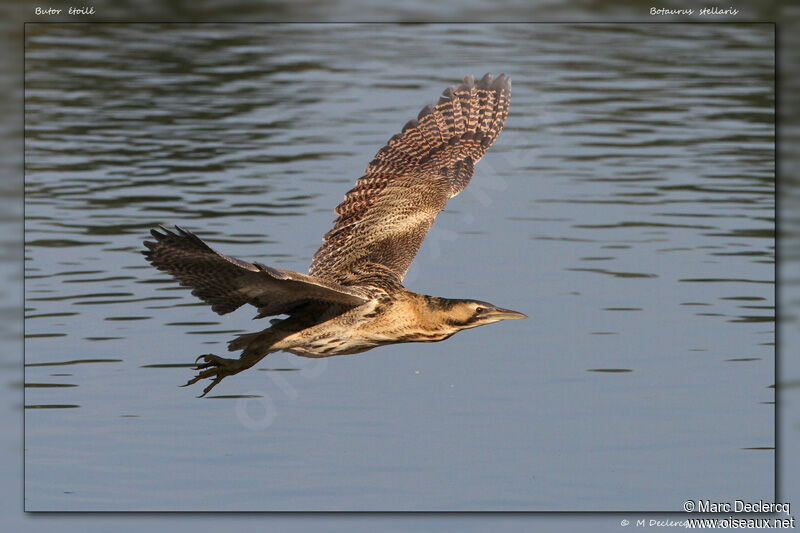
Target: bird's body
point(352, 299)
point(404, 317)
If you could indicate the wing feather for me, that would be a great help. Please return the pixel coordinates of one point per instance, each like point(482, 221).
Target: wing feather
point(384, 218)
point(227, 283)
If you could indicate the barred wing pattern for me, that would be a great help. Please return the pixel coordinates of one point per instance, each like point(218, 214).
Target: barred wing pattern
point(385, 217)
point(227, 283)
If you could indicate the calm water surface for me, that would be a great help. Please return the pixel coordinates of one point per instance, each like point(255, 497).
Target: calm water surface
point(627, 208)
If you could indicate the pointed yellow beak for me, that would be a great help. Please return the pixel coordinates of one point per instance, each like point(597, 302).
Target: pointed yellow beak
point(504, 314)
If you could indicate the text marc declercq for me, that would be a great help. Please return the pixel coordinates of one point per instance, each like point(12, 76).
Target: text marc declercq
point(741, 506)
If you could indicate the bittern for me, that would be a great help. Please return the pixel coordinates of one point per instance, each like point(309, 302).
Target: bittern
point(352, 298)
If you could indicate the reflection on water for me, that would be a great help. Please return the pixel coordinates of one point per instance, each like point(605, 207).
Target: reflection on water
point(628, 209)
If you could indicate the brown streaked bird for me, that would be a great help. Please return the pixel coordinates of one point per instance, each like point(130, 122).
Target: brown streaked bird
point(352, 298)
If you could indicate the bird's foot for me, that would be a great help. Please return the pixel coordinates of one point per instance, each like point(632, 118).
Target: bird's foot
point(216, 368)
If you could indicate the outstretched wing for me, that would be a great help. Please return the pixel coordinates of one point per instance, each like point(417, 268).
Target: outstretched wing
point(385, 217)
point(227, 283)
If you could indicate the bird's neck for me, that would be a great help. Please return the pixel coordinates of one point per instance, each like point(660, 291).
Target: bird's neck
point(433, 313)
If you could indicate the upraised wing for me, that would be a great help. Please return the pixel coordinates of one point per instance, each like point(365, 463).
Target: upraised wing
point(385, 217)
point(227, 283)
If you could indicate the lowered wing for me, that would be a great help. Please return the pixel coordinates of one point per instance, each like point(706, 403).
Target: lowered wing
point(227, 283)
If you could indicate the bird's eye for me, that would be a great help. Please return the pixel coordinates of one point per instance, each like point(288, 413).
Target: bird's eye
point(479, 310)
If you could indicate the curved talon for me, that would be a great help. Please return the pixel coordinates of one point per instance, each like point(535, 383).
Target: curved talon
point(200, 357)
point(192, 381)
point(209, 360)
point(211, 386)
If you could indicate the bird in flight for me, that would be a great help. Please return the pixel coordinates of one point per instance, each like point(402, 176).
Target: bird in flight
point(352, 298)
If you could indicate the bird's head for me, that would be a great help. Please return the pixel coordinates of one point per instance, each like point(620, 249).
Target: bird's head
point(465, 314)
